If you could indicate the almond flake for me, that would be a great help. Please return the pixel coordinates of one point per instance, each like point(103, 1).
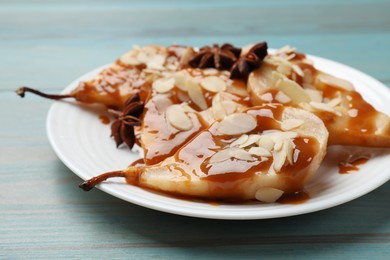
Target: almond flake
point(334, 102)
point(282, 98)
point(298, 70)
point(207, 116)
point(213, 84)
point(162, 102)
point(218, 111)
point(278, 145)
point(229, 106)
point(315, 95)
point(288, 149)
point(336, 82)
point(187, 55)
point(242, 139)
point(251, 140)
point(266, 142)
point(180, 79)
point(279, 160)
point(196, 94)
point(220, 156)
point(290, 124)
point(268, 195)
point(293, 90)
point(129, 58)
point(238, 123)
point(240, 154)
point(156, 62)
point(259, 151)
point(178, 119)
point(267, 97)
point(322, 107)
point(164, 85)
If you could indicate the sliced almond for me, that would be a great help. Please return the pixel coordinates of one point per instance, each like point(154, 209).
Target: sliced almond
point(278, 145)
point(251, 140)
point(207, 116)
point(268, 195)
point(279, 159)
point(229, 106)
point(196, 94)
point(290, 124)
point(178, 119)
point(238, 123)
point(315, 95)
point(335, 82)
point(129, 58)
point(259, 151)
point(282, 98)
point(213, 84)
point(322, 107)
point(334, 102)
point(180, 79)
point(162, 102)
point(267, 97)
point(242, 139)
point(293, 90)
point(218, 111)
point(164, 85)
point(288, 149)
point(240, 154)
point(156, 62)
point(220, 156)
point(187, 55)
point(266, 142)
point(298, 70)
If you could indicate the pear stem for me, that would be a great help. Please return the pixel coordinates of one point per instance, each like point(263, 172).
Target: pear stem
point(91, 183)
point(22, 90)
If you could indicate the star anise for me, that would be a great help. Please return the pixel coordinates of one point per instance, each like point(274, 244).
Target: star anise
point(249, 62)
point(123, 127)
point(221, 58)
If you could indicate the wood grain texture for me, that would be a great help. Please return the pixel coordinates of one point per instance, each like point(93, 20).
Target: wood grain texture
point(47, 44)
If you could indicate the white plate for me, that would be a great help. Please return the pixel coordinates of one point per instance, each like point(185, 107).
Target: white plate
point(83, 143)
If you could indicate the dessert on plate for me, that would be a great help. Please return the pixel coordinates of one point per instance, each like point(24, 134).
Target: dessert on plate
point(229, 123)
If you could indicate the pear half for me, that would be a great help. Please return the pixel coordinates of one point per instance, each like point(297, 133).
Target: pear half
point(259, 153)
point(349, 118)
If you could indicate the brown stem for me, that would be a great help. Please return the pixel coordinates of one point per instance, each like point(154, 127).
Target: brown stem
point(22, 90)
point(91, 183)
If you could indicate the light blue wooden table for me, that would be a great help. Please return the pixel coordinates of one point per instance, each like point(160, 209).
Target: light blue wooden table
point(47, 44)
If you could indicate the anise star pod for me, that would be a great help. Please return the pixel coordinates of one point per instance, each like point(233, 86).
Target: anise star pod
point(249, 62)
point(219, 57)
point(123, 127)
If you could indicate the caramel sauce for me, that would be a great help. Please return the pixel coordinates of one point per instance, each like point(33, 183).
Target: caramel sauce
point(138, 162)
point(166, 139)
point(104, 119)
point(225, 176)
point(160, 140)
point(348, 166)
point(299, 197)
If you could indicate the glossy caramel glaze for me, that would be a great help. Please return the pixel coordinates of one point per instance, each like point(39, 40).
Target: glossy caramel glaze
point(159, 139)
point(225, 176)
